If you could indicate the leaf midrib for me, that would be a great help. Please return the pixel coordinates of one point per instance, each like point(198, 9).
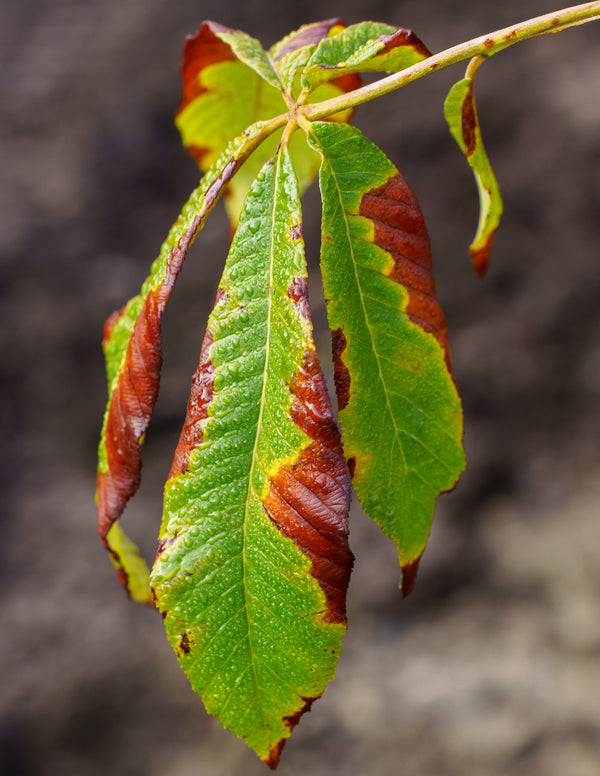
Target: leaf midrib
point(251, 491)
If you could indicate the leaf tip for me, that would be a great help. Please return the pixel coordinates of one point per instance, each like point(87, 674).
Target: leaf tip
point(480, 256)
point(409, 575)
point(272, 759)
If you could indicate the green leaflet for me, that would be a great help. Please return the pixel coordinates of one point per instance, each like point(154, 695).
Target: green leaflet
point(249, 51)
point(461, 114)
point(292, 53)
point(247, 603)
point(133, 358)
point(400, 412)
point(368, 46)
point(228, 83)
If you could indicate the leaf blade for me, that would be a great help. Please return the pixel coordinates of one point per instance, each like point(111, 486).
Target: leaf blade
point(460, 112)
point(399, 409)
point(132, 350)
point(228, 83)
point(215, 43)
point(364, 47)
point(258, 492)
point(292, 53)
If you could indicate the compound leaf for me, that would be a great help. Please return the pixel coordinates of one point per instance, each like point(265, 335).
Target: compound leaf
point(132, 351)
point(399, 408)
point(253, 559)
point(461, 114)
point(368, 46)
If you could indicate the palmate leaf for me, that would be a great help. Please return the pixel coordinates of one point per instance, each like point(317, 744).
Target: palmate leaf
point(253, 560)
point(229, 81)
point(399, 408)
point(461, 114)
point(132, 351)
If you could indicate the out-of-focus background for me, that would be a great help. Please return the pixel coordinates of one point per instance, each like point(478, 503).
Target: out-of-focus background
point(492, 666)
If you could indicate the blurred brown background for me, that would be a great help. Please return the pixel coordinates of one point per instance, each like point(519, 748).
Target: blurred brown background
point(493, 665)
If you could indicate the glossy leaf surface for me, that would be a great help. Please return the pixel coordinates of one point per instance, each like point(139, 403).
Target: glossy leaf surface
point(132, 350)
point(368, 46)
point(461, 114)
point(399, 408)
point(253, 559)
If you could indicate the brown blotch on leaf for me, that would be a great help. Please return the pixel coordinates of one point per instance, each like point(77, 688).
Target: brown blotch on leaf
point(134, 396)
point(164, 543)
point(201, 395)
point(129, 412)
point(469, 121)
point(215, 187)
point(298, 293)
point(488, 43)
point(296, 231)
point(290, 721)
point(351, 463)
point(185, 644)
point(308, 500)
point(121, 573)
point(341, 375)
point(309, 36)
point(403, 37)
point(399, 228)
point(200, 51)
point(481, 258)
point(136, 391)
point(409, 576)
point(272, 760)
